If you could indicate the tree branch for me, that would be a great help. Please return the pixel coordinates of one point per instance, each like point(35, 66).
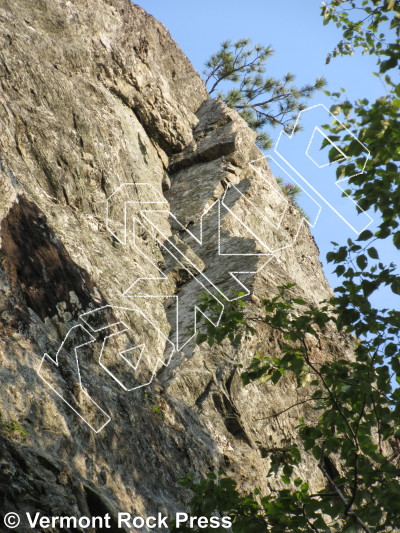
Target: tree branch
point(275, 415)
point(343, 499)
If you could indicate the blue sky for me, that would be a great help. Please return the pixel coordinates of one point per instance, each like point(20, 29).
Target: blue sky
point(301, 42)
point(294, 29)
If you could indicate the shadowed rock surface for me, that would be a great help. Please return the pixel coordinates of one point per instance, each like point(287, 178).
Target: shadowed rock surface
point(94, 96)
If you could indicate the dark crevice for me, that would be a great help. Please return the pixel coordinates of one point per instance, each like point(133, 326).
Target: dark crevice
point(98, 506)
point(231, 417)
point(39, 269)
point(204, 394)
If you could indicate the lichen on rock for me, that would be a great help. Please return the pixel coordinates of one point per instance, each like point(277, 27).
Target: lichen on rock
point(97, 98)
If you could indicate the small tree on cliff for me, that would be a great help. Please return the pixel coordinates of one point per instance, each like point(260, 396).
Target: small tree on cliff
point(261, 100)
point(357, 405)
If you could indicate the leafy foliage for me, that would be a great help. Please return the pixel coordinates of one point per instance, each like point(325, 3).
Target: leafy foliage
point(292, 192)
point(354, 435)
point(376, 124)
point(228, 324)
point(12, 429)
point(364, 25)
point(261, 100)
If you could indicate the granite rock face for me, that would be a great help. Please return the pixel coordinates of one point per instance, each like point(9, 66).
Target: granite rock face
point(125, 192)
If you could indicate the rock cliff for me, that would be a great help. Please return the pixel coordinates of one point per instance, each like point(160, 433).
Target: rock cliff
point(125, 194)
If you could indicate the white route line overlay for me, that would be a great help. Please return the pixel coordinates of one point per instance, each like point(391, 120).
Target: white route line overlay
point(337, 182)
point(199, 276)
point(55, 361)
point(160, 202)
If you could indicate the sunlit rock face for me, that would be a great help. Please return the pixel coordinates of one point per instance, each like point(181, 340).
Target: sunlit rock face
point(126, 193)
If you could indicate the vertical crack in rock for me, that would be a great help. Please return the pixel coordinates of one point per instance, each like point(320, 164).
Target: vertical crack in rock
point(97, 98)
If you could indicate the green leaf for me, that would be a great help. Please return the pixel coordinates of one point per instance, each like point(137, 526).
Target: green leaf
point(299, 301)
point(390, 349)
point(388, 64)
point(372, 252)
point(396, 239)
point(395, 286)
point(339, 270)
point(365, 235)
point(362, 261)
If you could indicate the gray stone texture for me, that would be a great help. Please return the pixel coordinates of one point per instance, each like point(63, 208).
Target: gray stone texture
point(94, 95)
